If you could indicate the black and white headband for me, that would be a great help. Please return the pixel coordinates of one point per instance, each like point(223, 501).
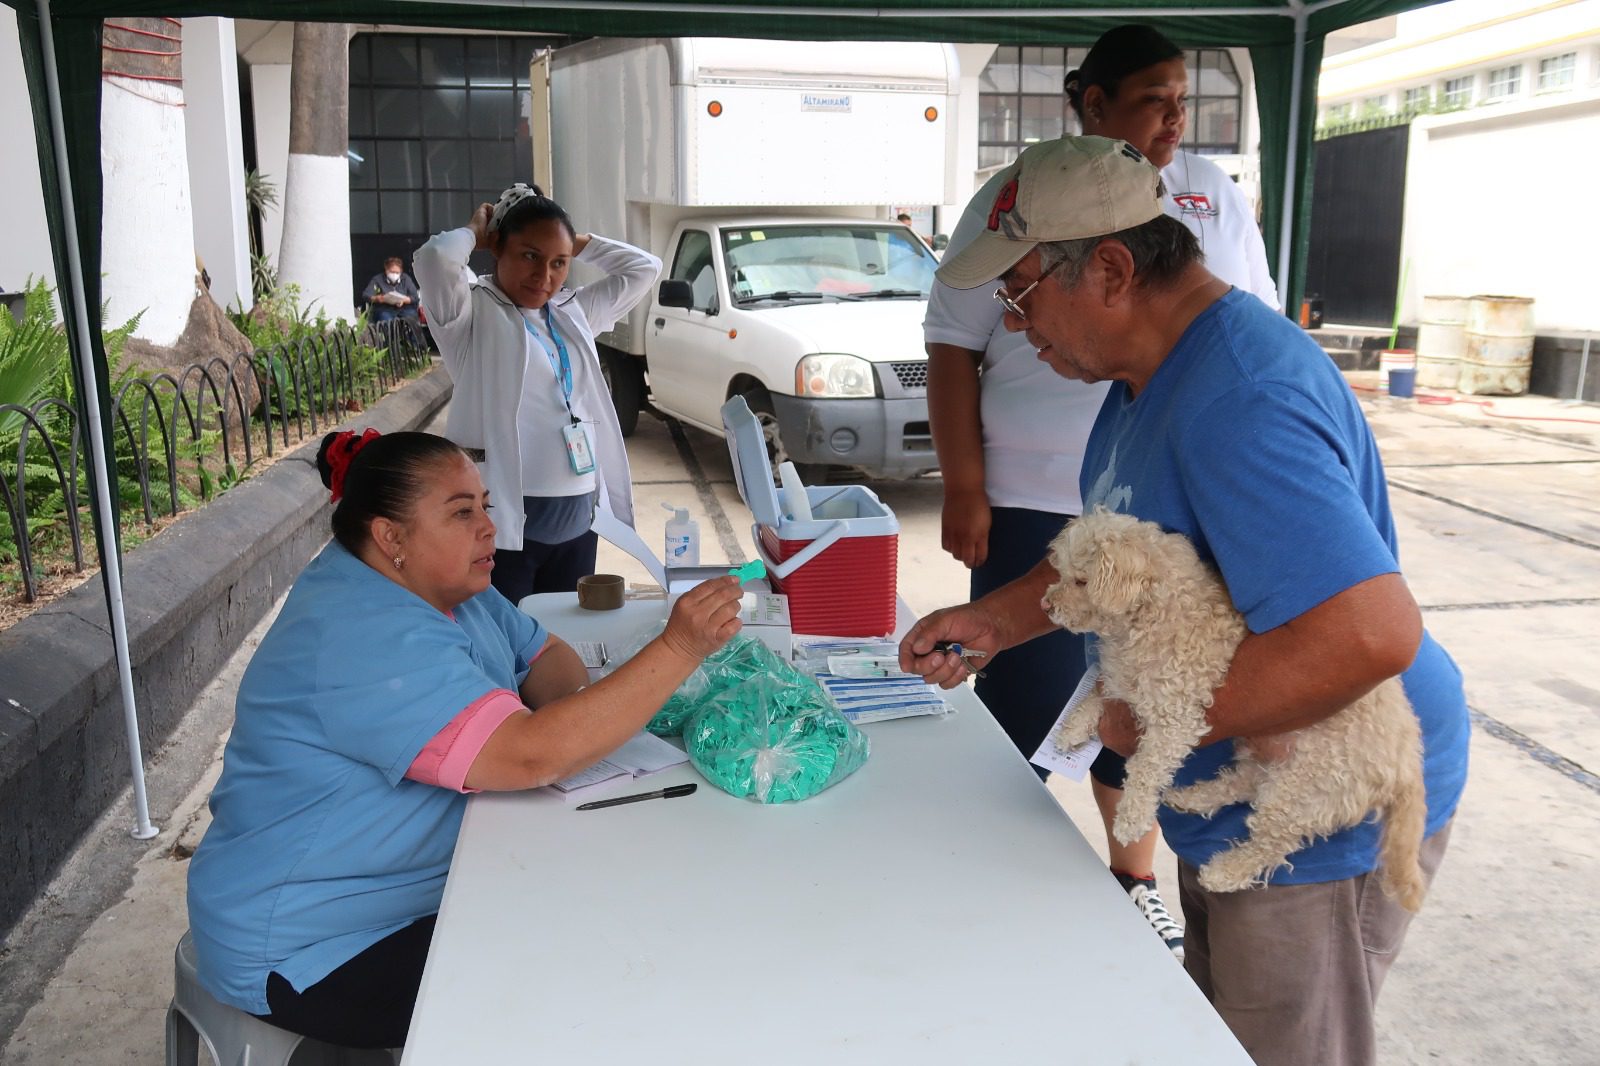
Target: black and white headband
point(509, 199)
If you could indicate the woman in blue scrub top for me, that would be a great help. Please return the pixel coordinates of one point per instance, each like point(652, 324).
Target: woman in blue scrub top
point(394, 681)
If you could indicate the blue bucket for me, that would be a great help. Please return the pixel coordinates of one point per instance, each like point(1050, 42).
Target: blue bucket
point(1403, 382)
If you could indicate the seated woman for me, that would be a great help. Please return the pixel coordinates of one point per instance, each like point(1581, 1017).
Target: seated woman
point(393, 681)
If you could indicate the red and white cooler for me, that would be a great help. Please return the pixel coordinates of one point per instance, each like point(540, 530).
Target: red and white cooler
point(838, 568)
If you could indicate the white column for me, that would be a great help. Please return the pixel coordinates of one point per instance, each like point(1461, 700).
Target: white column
point(216, 157)
point(147, 231)
point(316, 254)
point(26, 247)
point(269, 97)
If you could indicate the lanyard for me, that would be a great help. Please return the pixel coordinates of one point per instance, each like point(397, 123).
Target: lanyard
point(560, 365)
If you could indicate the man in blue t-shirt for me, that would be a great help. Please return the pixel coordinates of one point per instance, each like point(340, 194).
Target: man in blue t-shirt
point(1225, 423)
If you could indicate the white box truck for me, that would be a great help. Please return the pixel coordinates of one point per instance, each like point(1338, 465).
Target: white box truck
point(764, 173)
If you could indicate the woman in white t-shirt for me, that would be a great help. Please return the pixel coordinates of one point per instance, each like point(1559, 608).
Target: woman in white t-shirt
point(530, 405)
point(1010, 432)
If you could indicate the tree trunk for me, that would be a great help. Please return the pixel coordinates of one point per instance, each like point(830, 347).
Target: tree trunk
point(147, 230)
point(315, 253)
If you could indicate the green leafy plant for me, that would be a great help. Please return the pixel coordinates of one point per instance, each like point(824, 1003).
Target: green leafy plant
point(259, 194)
point(31, 353)
point(263, 276)
point(35, 366)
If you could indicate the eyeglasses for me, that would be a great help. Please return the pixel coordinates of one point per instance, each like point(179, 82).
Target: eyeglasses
point(1014, 304)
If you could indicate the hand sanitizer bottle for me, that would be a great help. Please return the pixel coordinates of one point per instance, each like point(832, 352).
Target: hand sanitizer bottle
point(683, 538)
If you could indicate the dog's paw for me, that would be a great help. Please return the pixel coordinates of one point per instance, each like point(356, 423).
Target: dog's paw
point(1080, 725)
point(1133, 820)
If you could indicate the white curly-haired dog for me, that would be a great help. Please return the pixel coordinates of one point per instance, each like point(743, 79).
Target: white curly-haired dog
point(1167, 632)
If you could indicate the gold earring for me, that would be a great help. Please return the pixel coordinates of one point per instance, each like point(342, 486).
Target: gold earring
point(399, 561)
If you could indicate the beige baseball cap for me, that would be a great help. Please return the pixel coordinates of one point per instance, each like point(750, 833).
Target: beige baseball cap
point(1062, 190)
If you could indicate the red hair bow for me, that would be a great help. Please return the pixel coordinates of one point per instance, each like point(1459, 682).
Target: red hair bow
point(340, 453)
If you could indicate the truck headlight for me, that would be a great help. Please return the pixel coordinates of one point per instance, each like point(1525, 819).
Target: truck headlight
point(834, 375)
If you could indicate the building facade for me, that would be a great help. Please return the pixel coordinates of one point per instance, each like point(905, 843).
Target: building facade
point(1502, 101)
point(439, 121)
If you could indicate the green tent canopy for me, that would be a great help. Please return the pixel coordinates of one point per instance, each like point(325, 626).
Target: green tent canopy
point(61, 57)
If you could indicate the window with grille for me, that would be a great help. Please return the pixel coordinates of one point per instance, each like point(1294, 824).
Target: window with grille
point(1417, 99)
point(1558, 72)
point(1021, 102)
point(1338, 113)
point(1505, 82)
point(1216, 101)
point(1374, 105)
point(1457, 92)
point(438, 125)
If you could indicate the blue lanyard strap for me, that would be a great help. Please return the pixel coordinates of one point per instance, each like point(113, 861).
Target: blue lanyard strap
point(560, 364)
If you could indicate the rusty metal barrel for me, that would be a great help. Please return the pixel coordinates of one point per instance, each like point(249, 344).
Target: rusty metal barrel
point(1499, 354)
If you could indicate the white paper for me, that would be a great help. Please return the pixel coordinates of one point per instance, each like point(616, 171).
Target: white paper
point(647, 754)
point(624, 536)
point(1072, 764)
point(600, 772)
point(642, 755)
point(592, 652)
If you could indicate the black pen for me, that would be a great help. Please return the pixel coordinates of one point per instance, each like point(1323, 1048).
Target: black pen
point(671, 792)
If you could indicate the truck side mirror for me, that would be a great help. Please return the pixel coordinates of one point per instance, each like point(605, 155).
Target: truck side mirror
point(676, 293)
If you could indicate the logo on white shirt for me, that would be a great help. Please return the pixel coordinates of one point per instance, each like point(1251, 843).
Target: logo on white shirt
point(1195, 205)
point(1106, 493)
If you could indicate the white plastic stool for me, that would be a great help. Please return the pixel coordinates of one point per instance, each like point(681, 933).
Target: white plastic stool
point(233, 1038)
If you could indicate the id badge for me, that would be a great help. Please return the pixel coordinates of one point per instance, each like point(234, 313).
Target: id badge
point(579, 455)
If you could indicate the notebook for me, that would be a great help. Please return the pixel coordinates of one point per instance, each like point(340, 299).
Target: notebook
point(643, 755)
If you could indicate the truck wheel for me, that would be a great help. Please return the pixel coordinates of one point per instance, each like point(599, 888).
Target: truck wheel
point(625, 380)
point(760, 402)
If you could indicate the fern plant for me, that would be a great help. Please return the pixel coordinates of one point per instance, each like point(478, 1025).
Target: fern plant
point(36, 365)
point(31, 353)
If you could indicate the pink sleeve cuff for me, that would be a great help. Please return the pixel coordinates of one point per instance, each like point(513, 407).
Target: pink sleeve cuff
point(445, 760)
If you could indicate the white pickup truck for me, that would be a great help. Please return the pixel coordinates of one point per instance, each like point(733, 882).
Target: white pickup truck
point(764, 173)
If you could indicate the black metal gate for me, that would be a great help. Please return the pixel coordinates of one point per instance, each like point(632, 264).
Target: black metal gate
point(1357, 212)
point(438, 125)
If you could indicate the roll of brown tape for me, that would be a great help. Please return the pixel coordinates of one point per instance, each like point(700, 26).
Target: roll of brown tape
point(600, 592)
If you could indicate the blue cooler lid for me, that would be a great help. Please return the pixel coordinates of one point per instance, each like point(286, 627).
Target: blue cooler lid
point(747, 447)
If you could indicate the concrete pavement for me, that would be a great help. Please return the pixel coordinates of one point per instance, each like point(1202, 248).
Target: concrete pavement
point(1499, 523)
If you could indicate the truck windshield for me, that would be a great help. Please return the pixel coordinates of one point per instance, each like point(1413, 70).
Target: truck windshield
point(789, 263)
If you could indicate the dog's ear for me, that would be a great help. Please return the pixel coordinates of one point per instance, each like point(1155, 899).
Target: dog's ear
point(1123, 571)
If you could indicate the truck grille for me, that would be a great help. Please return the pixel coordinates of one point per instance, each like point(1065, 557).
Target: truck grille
point(911, 375)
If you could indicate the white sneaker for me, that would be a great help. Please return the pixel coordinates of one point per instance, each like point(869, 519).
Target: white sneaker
point(1148, 900)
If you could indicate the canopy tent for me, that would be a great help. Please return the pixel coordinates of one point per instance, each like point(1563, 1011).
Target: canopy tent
point(61, 57)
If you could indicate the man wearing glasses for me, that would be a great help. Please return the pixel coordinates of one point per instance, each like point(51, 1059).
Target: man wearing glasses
point(1225, 423)
point(1010, 434)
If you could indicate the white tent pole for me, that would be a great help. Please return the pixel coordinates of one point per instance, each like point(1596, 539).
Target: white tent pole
point(1291, 199)
point(142, 829)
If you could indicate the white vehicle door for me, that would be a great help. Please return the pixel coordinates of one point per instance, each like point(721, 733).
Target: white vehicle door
point(686, 377)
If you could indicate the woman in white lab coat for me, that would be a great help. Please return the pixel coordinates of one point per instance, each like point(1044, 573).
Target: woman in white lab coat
point(530, 404)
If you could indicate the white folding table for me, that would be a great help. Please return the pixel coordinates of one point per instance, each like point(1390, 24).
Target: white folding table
point(936, 907)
